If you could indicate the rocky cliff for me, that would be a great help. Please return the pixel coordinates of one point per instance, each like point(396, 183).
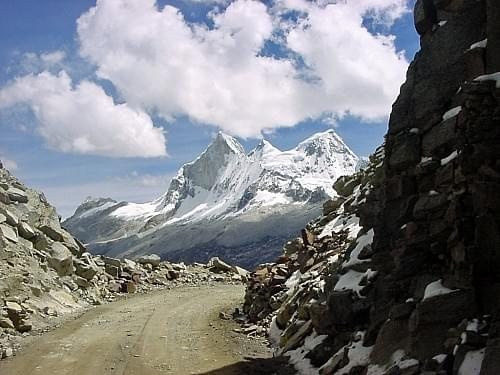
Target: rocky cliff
point(418, 291)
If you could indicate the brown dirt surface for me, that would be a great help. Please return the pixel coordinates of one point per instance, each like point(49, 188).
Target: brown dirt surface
point(174, 331)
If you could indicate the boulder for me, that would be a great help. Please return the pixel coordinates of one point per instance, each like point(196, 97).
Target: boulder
point(152, 259)
point(17, 195)
point(85, 270)
point(8, 233)
point(4, 197)
point(10, 218)
point(218, 265)
point(26, 231)
point(53, 233)
point(60, 259)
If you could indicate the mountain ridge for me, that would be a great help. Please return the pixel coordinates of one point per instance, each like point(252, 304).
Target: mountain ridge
point(223, 184)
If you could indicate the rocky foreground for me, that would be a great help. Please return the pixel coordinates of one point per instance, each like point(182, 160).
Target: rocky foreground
point(46, 274)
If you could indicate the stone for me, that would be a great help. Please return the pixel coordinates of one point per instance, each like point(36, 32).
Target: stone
point(239, 271)
point(112, 270)
point(10, 218)
point(151, 259)
point(218, 265)
point(26, 231)
point(82, 269)
point(7, 352)
point(60, 259)
point(9, 233)
point(6, 323)
point(17, 195)
point(54, 234)
point(4, 197)
point(111, 261)
point(296, 338)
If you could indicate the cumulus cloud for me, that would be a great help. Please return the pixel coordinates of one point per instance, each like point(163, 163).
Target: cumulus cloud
point(83, 119)
point(31, 62)
point(219, 74)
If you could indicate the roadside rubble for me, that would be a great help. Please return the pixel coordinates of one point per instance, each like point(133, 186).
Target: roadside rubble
point(47, 275)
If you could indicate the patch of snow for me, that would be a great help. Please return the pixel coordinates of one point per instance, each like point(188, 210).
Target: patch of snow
point(96, 210)
point(435, 289)
point(358, 354)
point(425, 159)
point(440, 358)
point(452, 113)
point(351, 279)
point(134, 210)
point(414, 130)
point(490, 77)
point(481, 44)
point(442, 23)
point(340, 222)
point(433, 192)
point(473, 325)
point(267, 198)
point(472, 362)
point(449, 158)
point(298, 356)
point(364, 240)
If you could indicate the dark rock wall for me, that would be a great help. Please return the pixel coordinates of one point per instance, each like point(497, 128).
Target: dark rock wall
point(439, 215)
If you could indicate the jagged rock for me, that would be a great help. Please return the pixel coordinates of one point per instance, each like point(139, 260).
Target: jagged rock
point(8, 233)
point(26, 231)
point(10, 218)
point(17, 195)
point(151, 259)
point(4, 197)
point(54, 234)
point(85, 270)
point(60, 259)
point(6, 323)
point(218, 265)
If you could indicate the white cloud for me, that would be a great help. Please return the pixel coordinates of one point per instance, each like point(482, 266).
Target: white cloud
point(83, 119)
point(158, 61)
point(31, 62)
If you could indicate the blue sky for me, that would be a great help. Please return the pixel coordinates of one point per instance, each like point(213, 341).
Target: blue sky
point(271, 70)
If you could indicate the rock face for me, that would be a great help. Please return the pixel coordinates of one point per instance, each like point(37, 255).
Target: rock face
point(235, 205)
point(418, 291)
point(46, 273)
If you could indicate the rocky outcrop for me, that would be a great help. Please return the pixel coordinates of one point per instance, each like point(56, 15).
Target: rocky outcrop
point(45, 273)
point(418, 291)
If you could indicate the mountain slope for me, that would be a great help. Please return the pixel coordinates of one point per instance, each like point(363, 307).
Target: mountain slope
point(263, 196)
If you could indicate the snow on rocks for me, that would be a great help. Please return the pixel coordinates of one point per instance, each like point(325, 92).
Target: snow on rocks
point(481, 44)
point(490, 77)
point(452, 113)
point(435, 289)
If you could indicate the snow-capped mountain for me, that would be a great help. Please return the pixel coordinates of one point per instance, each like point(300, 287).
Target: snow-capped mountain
point(223, 185)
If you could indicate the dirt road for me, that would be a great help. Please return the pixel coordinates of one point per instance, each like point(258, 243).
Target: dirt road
point(168, 332)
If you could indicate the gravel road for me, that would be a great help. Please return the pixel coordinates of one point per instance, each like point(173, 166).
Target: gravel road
point(174, 331)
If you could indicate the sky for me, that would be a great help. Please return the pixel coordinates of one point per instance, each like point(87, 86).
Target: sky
point(110, 98)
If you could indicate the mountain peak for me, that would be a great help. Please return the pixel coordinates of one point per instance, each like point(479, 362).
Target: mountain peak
point(229, 143)
point(327, 141)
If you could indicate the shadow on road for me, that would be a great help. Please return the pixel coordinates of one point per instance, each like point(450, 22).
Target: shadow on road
point(256, 366)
